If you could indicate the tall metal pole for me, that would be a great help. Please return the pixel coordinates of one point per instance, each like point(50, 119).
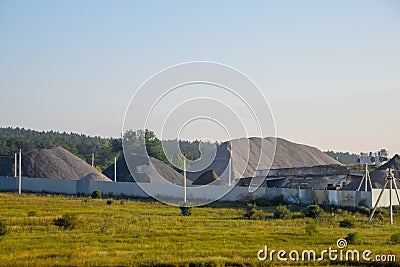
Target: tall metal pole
point(366, 177)
point(20, 173)
point(15, 164)
point(390, 196)
point(184, 178)
point(230, 164)
point(230, 170)
point(115, 170)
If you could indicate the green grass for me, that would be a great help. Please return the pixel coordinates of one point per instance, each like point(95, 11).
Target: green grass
point(150, 233)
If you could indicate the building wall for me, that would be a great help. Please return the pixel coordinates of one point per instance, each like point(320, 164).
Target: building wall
point(322, 170)
point(295, 195)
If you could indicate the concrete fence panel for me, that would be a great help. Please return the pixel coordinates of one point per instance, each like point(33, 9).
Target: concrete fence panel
point(165, 192)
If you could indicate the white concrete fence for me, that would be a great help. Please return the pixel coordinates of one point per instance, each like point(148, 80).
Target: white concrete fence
point(301, 196)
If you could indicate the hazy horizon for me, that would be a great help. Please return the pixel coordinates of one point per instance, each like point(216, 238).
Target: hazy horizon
point(329, 70)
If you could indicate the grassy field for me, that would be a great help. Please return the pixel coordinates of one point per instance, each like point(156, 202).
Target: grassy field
point(139, 232)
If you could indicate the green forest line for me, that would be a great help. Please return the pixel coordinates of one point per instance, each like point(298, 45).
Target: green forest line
point(105, 149)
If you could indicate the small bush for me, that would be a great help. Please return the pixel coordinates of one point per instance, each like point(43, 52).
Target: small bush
point(312, 228)
point(262, 202)
point(382, 210)
point(3, 228)
point(313, 211)
point(346, 223)
point(282, 212)
point(186, 210)
point(380, 217)
point(67, 221)
point(395, 238)
point(110, 201)
point(279, 200)
point(96, 194)
point(251, 212)
point(122, 202)
point(396, 209)
point(328, 208)
point(352, 238)
point(364, 210)
point(32, 213)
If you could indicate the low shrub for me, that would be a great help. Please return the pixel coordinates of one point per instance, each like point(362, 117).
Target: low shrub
point(3, 228)
point(186, 210)
point(96, 194)
point(67, 221)
point(262, 202)
point(395, 238)
point(364, 210)
point(382, 210)
point(329, 208)
point(396, 209)
point(352, 238)
point(251, 212)
point(380, 217)
point(110, 201)
point(312, 228)
point(282, 212)
point(279, 200)
point(313, 211)
point(346, 223)
point(32, 213)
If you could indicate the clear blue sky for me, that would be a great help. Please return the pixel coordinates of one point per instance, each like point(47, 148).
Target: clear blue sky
point(330, 70)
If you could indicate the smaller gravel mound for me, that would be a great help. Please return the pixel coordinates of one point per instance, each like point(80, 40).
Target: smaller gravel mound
point(96, 177)
point(144, 170)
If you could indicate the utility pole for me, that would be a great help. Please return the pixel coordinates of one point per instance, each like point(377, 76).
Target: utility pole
point(20, 173)
point(92, 159)
point(115, 170)
point(184, 178)
point(390, 195)
point(15, 165)
point(366, 178)
point(230, 164)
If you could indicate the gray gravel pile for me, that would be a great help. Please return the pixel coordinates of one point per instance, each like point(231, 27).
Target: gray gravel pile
point(54, 163)
point(99, 177)
point(143, 172)
point(251, 154)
